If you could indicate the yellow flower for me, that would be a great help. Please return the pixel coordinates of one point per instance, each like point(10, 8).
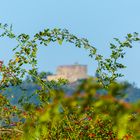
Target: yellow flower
point(17, 59)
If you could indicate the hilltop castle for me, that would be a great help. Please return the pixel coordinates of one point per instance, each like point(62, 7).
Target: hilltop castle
point(70, 72)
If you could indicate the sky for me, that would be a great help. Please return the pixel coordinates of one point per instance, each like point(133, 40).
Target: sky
point(97, 20)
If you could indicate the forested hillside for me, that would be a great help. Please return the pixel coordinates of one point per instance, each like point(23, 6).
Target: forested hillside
point(26, 91)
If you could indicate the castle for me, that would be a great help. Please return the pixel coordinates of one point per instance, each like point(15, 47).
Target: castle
point(70, 72)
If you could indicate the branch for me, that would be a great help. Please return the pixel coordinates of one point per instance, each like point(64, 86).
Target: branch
point(3, 130)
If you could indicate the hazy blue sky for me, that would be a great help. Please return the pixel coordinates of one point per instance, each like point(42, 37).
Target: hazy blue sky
point(98, 20)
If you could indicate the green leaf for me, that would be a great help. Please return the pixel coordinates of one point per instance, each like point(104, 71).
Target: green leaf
point(60, 41)
point(129, 35)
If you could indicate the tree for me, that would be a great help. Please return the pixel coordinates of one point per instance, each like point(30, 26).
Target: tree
point(59, 116)
point(43, 75)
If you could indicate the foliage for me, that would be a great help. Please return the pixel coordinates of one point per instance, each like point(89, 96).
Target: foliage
point(26, 51)
point(42, 75)
point(86, 114)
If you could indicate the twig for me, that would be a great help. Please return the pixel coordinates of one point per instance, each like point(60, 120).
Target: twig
point(3, 130)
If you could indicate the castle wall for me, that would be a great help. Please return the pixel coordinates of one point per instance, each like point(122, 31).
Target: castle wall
point(71, 72)
point(55, 77)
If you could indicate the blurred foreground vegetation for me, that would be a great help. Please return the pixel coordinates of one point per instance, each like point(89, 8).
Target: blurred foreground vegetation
point(84, 115)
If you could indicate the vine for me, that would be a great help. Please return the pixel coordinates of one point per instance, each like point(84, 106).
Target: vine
point(26, 52)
